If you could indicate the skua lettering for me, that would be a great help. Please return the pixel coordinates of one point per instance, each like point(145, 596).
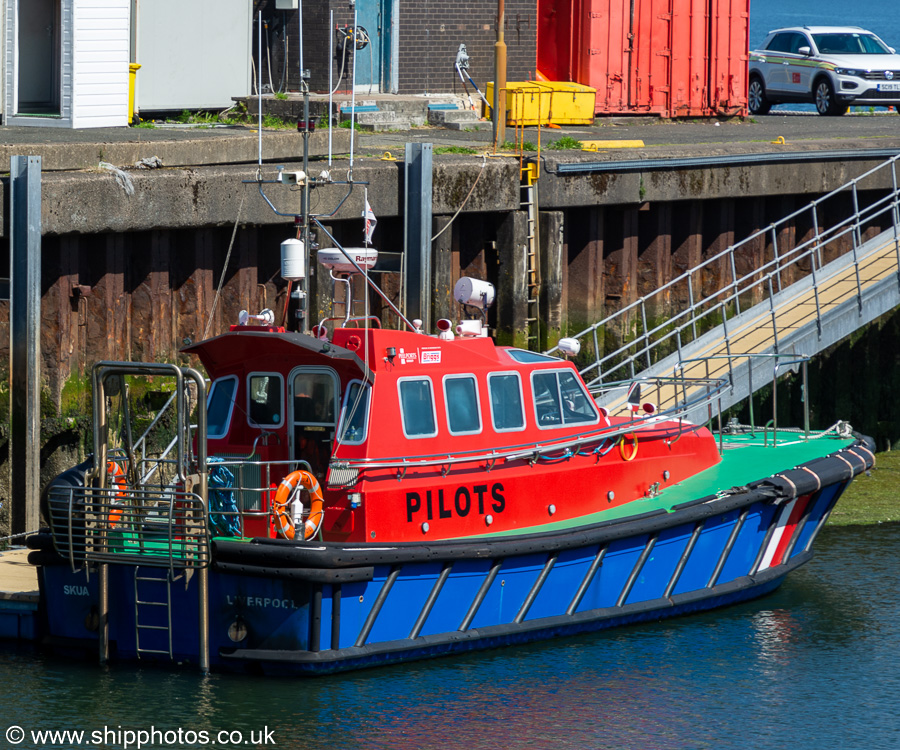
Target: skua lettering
point(491, 495)
point(261, 601)
point(75, 590)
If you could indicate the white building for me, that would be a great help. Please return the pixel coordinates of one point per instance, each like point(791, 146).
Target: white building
point(66, 62)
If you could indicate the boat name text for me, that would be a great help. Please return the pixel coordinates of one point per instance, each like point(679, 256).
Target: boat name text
point(261, 601)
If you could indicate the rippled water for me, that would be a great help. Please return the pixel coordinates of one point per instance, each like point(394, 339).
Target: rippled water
point(812, 666)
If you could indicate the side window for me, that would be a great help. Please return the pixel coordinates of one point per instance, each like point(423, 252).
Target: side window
point(507, 413)
point(265, 400)
point(219, 406)
point(417, 407)
point(560, 399)
point(355, 416)
point(780, 43)
point(461, 398)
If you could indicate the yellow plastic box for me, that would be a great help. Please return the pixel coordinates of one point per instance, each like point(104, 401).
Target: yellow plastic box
point(571, 103)
point(543, 102)
point(527, 102)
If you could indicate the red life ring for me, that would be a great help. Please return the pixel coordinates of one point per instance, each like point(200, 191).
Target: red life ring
point(281, 510)
point(116, 478)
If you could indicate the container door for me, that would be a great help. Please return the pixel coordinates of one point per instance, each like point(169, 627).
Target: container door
point(690, 55)
point(729, 41)
point(374, 69)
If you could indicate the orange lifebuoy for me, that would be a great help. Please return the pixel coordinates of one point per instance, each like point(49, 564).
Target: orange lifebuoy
point(634, 449)
point(280, 507)
point(116, 479)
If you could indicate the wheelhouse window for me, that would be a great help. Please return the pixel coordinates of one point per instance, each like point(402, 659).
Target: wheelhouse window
point(560, 400)
point(355, 415)
point(526, 357)
point(219, 406)
point(417, 407)
point(507, 412)
point(265, 399)
point(461, 399)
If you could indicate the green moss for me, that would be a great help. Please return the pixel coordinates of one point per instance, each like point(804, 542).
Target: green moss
point(871, 499)
point(566, 143)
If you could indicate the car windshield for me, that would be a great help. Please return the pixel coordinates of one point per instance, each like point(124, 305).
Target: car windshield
point(849, 44)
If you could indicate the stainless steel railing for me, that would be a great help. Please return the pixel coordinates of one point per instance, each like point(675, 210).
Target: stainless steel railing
point(651, 329)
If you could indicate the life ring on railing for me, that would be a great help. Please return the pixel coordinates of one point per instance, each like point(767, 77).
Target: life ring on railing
point(634, 448)
point(281, 509)
point(116, 478)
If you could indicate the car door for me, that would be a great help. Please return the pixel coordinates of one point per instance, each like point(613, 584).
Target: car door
point(800, 67)
point(774, 68)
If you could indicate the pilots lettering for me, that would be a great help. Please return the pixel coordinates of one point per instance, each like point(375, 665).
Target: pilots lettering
point(442, 504)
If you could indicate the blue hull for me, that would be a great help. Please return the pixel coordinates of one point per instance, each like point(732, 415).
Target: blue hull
point(278, 607)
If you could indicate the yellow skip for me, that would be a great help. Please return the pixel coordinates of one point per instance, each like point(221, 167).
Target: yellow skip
point(597, 145)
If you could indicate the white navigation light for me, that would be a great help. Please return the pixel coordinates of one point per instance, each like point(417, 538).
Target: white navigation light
point(293, 260)
point(474, 292)
point(333, 258)
point(569, 347)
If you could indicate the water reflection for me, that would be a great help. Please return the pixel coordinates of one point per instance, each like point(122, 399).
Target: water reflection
point(812, 664)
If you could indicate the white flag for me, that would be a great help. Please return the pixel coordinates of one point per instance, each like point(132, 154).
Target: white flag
point(371, 221)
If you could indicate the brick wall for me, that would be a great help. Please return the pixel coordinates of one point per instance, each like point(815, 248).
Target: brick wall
point(430, 32)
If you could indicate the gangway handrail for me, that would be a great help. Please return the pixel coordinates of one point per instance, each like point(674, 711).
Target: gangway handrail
point(680, 328)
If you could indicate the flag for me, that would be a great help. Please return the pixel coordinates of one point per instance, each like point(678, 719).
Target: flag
point(371, 221)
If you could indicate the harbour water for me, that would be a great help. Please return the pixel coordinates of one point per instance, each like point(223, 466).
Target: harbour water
point(810, 666)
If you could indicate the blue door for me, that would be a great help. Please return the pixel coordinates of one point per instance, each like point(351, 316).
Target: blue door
point(374, 69)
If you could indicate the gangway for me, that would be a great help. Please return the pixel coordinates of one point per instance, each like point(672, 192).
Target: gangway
point(723, 333)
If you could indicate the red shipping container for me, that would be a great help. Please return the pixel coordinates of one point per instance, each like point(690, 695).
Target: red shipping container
point(673, 58)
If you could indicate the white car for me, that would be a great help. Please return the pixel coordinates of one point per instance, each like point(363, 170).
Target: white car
point(830, 66)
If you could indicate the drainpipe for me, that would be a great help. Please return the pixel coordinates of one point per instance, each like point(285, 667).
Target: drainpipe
point(500, 79)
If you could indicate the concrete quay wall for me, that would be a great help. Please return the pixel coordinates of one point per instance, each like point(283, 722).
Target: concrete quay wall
point(134, 274)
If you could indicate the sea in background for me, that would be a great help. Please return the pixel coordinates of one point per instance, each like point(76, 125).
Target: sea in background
point(811, 666)
point(880, 17)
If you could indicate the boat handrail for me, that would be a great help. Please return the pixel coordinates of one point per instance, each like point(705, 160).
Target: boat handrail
point(535, 451)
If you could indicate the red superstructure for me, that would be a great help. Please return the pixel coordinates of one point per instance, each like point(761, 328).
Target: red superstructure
point(417, 437)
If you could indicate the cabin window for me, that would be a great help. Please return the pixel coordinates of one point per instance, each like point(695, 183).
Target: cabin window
point(461, 400)
point(314, 399)
point(507, 413)
point(417, 407)
point(265, 400)
point(526, 357)
point(560, 399)
point(355, 416)
point(219, 406)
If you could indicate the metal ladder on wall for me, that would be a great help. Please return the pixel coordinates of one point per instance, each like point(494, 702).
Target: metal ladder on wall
point(151, 605)
point(529, 202)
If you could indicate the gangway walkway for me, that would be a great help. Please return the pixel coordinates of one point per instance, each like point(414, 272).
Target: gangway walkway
point(756, 314)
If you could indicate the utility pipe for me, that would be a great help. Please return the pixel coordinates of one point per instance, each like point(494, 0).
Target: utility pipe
point(500, 79)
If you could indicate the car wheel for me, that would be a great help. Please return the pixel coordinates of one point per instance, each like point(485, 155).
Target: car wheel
point(826, 104)
point(756, 97)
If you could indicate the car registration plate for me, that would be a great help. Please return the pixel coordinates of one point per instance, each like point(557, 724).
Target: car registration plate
point(889, 86)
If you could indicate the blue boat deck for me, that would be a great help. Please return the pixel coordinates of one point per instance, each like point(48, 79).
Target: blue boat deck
point(19, 596)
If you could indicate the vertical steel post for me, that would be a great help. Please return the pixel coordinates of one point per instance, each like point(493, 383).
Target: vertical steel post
point(25, 342)
point(417, 232)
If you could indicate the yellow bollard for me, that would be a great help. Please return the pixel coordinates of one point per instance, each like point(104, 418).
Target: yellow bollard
point(133, 68)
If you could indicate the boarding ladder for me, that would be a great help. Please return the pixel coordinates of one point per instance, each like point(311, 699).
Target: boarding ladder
point(156, 585)
point(842, 274)
point(529, 203)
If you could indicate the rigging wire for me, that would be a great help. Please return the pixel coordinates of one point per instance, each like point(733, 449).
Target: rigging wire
point(465, 200)
point(215, 303)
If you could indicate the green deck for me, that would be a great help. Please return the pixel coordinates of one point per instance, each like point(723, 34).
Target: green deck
point(744, 460)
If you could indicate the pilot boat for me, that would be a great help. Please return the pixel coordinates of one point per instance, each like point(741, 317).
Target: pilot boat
point(358, 496)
